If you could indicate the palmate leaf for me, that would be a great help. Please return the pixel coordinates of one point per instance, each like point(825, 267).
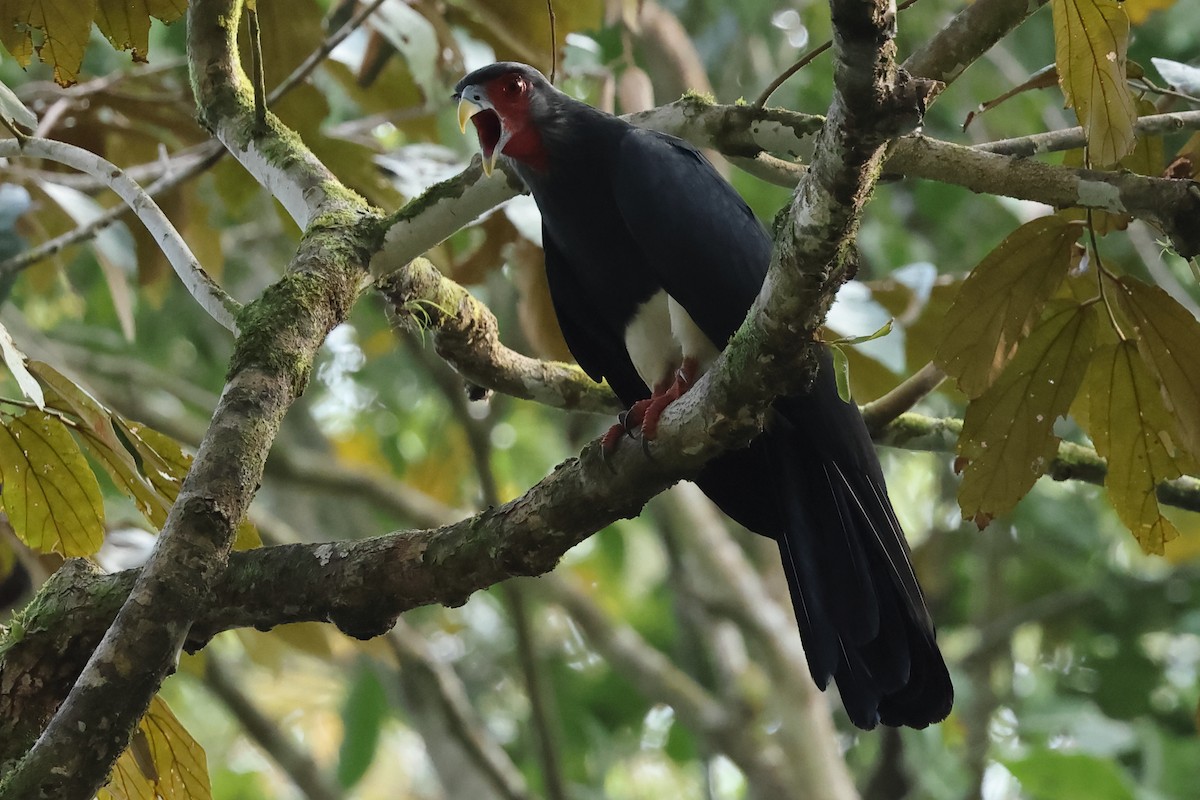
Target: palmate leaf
point(50, 494)
point(1168, 340)
point(1090, 42)
point(1130, 427)
point(1002, 297)
point(163, 762)
point(64, 27)
point(1007, 436)
point(64, 24)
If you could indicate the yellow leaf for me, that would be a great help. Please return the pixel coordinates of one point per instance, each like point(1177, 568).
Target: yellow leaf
point(1140, 10)
point(1002, 297)
point(100, 439)
point(126, 23)
point(1168, 339)
point(163, 762)
point(1008, 432)
point(1090, 42)
point(1130, 427)
point(50, 494)
point(64, 25)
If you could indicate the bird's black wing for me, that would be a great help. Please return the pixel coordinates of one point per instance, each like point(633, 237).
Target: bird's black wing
point(699, 237)
point(597, 351)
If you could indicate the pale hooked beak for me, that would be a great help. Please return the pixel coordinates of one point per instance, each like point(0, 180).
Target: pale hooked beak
point(468, 108)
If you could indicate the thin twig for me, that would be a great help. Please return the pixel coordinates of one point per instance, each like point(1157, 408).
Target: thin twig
point(206, 157)
point(321, 53)
point(804, 61)
point(880, 412)
point(165, 183)
point(790, 71)
point(211, 297)
point(257, 76)
point(553, 42)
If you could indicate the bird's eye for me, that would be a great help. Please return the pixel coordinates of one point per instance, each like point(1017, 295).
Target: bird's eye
point(514, 86)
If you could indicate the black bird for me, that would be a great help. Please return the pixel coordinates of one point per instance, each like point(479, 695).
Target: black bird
point(653, 261)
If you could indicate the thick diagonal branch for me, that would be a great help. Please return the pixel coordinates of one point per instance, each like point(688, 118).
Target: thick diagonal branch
point(280, 333)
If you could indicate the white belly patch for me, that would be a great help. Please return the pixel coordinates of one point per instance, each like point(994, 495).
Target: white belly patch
point(660, 335)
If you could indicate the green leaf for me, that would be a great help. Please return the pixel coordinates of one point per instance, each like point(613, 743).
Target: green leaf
point(1007, 434)
point(1053, 775)
point(362, 717)
point(1001, 299)
point(841, 372)
point(14, 359)
point(1090, 42)
point(1168, 338)
point(1130, 426)
point(883, 330)
point(50, 494)
point(163, 762)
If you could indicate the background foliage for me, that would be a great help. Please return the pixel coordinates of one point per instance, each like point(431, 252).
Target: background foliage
point(1074, 654)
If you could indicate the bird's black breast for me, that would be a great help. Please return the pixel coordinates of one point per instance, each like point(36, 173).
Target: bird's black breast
point(581, 215)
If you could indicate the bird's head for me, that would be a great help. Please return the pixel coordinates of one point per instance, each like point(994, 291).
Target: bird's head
point(503, 100)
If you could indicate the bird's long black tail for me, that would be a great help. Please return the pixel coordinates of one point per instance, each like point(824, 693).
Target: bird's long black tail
point(861, 613)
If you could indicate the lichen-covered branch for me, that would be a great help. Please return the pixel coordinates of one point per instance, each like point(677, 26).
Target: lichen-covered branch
point(1074, 462)
point(465, 333)
point(1173, 206)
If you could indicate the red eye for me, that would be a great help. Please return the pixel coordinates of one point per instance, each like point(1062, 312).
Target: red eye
point(514, 86)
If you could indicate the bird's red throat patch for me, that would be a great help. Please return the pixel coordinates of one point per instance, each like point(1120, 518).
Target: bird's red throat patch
point(509, 114)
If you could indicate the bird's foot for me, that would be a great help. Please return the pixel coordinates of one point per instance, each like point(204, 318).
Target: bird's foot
point(627, 423)
point(643, 415)
point(685, 377)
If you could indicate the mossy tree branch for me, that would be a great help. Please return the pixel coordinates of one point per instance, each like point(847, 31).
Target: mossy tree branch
point(280, 333)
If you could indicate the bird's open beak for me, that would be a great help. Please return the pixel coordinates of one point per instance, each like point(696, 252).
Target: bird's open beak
point(466, 110)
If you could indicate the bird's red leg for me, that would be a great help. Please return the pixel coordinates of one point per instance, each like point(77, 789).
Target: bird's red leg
point(632, 418)
point(687, 374)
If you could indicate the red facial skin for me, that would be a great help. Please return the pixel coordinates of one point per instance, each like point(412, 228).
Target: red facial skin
point(509, 96)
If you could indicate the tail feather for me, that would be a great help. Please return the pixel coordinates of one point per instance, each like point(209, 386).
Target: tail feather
point(813, 483)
